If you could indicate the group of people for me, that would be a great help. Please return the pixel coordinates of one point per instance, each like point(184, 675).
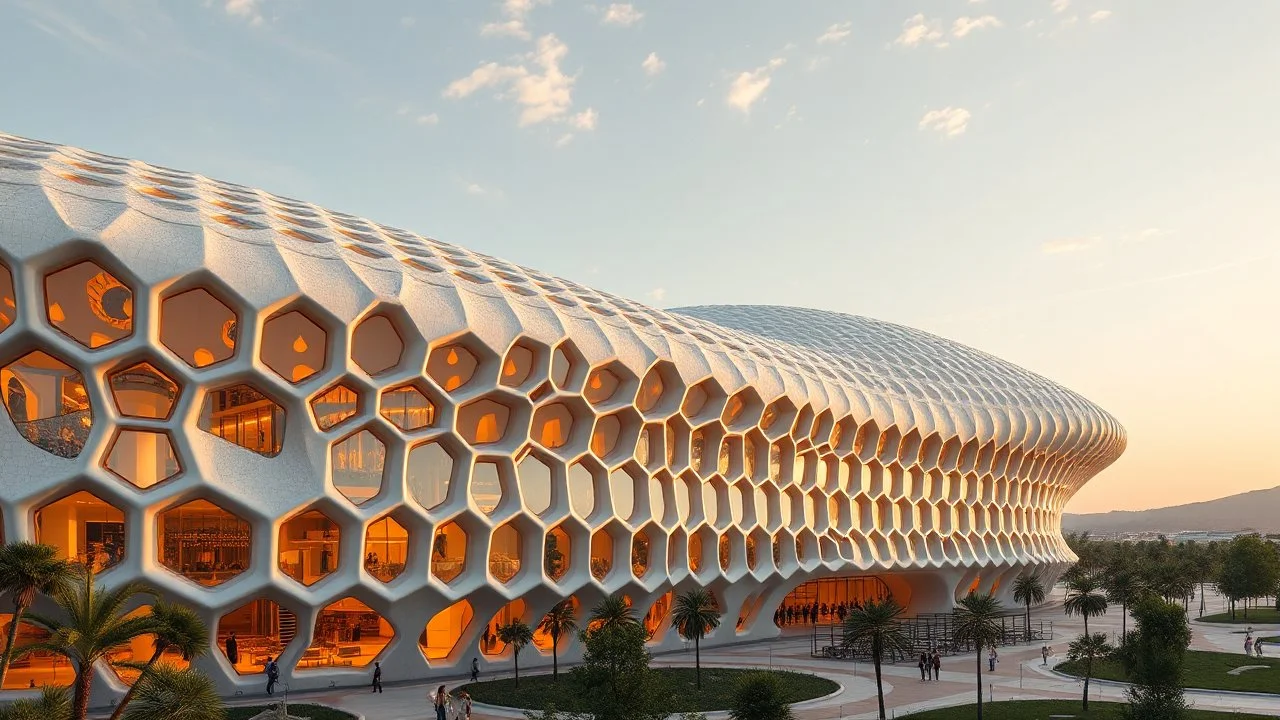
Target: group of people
point(1252, 648)
point(444, 705)
point(806, 614)
point(930, 664)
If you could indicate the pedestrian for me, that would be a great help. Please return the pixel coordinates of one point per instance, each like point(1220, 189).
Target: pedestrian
point(273, 674)
point(1257, 647)
point(377, 677)
point(465, 698)
point(1044, 654)
point(475, 669)
point(992, 659)
point(233, 649)
point(937, 663)
point(1248, 644)
point(441, 702)
point(923, 664)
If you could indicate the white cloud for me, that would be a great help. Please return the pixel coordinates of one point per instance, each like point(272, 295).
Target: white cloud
point(408, 21)
point(248, 10)
point(509, 28)
point(700, 103)
point(657, 294)
point(965, 25)
point(918, 30)
point(1060, 6)
point(428, 119)
point(950, 121)
point(836, 33)
point(653, 65)
point(476, 189)
point(1099, 16)
point(536, 84)
point(817, 62)
point(789, 117)
point(621, 15)
point(585, 120)
point(1062, 246)
point(749, 87)
point(564, 139)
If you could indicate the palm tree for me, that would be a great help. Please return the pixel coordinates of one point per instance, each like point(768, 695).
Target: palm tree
point(178, 627)
point(93, 623)
point(25, 570)
point(976, 620)
point(168, 693)
point(1029, 589)
point(562, 619)
point(54, 702)
point(611, 611)
point(1085, 649)
point(1124, 587)
point(516, 634)
point(875, 627)
point(695, 614)
point(1084, 599)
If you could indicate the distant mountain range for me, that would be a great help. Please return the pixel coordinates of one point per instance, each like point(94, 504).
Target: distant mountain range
point(1257, 510)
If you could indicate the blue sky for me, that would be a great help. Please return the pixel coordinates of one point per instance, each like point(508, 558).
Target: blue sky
point(1085, 187)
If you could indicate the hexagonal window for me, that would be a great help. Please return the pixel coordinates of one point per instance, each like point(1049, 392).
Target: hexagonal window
point(655, 620)
point(142, 391)
point(84, 529)
point(490, 643)
point(622, 490)
point(375, 345)
point(448, 552)
point(602, 383)
point(48, 403)
point(518, 365)
point(486, 486)
point(242, 415)
point(552, 425)
point(505, 552)
point(198, 327)
point(203, 543)
point(534, 478)
point(89, 304)
point(640, 555)
point(582, 490)
point(703, 398)
point(386, 548)
point(142, 457)
point(565, 365)
point(356, 464)
point(601, 554)
point(753, 560)
point(451, 366)
point(444, 630)
point(293, 346)
point(309, 547)
point(483, 421)
point(348, 633)
point(652, 389)
point(254, 633)
point(8, 299)
point(335, 406)
point(429, 471)
point(723, 551)
point(556, 553)
point(695, 553)
point(408, 408)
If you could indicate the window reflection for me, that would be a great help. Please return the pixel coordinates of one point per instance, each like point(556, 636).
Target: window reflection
point(89, 304)
point(204, 543)
point(244, 416)
point(444, 630)
point(386, 546)
point(143, 391)
point(504, 553)
point(309, 547)
point(357, 463)
point(448, 552)
point(407, 408)
point(348, 633)
point(429, 471)
point(47, 401)
point(335, 406)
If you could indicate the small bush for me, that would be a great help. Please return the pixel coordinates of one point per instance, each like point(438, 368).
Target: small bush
point(758, 696)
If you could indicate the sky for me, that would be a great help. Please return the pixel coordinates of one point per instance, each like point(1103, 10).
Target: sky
point(1087, 188)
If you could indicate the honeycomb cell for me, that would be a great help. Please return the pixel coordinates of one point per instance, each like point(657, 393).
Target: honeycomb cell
point(308, 547)
point(48, 403)
point(244, 416)
point(142, 391)
point(376, 345)
point(520, 365)
point(552, 425)
point(655, 620)
point(483, 421)
point(348, 634)
point(408, 408)
point(724, 552)
point(335, 406)
point(8, 299)
point(142, 457)
point(556, 549)
point(534, 477)
point(742, 410)
point(357, 464)
point(452, 366)
point(486, 486)
point(582, 489)
point(84, 529)
point(703, 401)
point(261, 630)
point(428, 475)
point(448, 552)
point(505, 552)
point(622, 491)
point(492, 645)
point(640, 554)
point(602, 385)
point(294, 346)
point(198, 327)
point(442, 633)
point(567, 366)
point(203, 542)
point(89, 304)
point(659, 389)
point(777, 418)
point(386, 548)
point(601, 554)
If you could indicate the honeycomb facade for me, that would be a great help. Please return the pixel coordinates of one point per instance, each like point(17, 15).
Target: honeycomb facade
point(342, 441)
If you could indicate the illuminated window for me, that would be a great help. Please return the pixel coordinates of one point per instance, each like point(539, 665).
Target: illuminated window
point(552, 425)
point(356, 464)
point(445, 629)
point(335, 406)
point(486, 486)
point(605, 436)
point(8, 304)
point(244, 416)
point(84, 529)
point(655, 620)
point(517, 366)
point(601, 385)
point(651, 390)
point(752, 560)
point(375, 345)
point(143, 457)
point(504, 553)
point(535, 483)
point(694, 400)
point(47, 402)
point(448, 552)
point(640, 555)
point(429, 472)
point(601, 554)
point(695, 553)
point(203, 543)
point(348, 633)
point(723, 551)
point(261, 630)
point(556, 553)
point(490, 644)
point(143, 391)
point(309, 547)
point(386, 547)
point(293, 346)
point(198, 327)
point(124, 659)
point(451, 366)
point(36, 669)
point(89, 304)
point(407, 408)
point(483, 421)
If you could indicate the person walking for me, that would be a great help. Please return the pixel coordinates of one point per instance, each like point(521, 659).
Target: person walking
point(441, 703)
point(273, 674)
point(377, 677)
point(1044, 654)
point(465, 698)
point(992, 659)
point(1257, 647)
point(233, 649)
point(475, 669)
point(1248, 644)
point(937, 663)
point(923, 664)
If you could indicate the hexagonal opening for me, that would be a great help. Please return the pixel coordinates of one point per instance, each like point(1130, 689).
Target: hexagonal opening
point(89, 304)
point(659, 389)
point(505, 551)
point(729, 459)
point(742, 410)
point(198, 328)
point(48, 403)
point(84, 529)
point(142, 391)
point(778, 417)
point(408, 408)
point(724, 551)
point(752, 461)
point(294, 346)
point(520, 364)
point(567, 365)
point(483, 421)
point(658, 490)
point(308, 547)
point(448, 552)
point(357, 464)
point(696, 542)
point(622, 491)
point(552, 425)
point(640, 554)
point(335, 406)
point(556, 553)
point(203, 542)
point(386, 548)
point(582, 489)
point(8, 299)
point(348, 633)
point(376, 345)
point(142, 457)
point(487, 485)
point(602, 385)
point(445, 629)
point(451, 366)
point(242, 415)
point(614, 431)
point(255, 633)
point(428, 475)
point(601, 554)
point(655, 620)
point(490, 644)
point(534, 477)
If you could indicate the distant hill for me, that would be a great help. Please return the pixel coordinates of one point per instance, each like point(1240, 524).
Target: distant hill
point(1257, 510)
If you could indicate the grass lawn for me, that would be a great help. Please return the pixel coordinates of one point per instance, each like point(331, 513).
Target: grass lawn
point(315, 712)
point(537, 691)
point(1205, 670)
point(1042, 709)
point(1257, 616)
